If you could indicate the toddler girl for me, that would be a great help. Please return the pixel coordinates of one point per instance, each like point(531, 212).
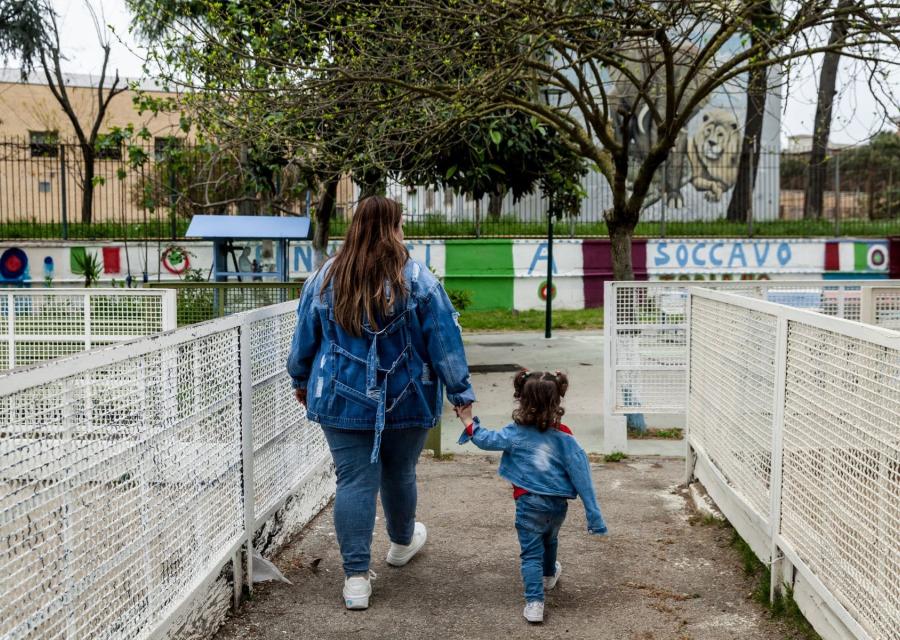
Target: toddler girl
point(547, 468)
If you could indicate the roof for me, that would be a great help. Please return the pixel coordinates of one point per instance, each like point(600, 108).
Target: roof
point(36, 77)
point(250, 227)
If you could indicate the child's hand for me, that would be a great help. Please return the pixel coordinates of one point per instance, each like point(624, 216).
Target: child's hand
point(464, 413)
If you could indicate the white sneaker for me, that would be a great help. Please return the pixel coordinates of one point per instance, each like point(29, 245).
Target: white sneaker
point(550, 581)
point(534, 611)
point(399, 554)
point(357, 590)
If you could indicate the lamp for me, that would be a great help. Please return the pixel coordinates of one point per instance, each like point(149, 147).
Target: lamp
point(555, 92)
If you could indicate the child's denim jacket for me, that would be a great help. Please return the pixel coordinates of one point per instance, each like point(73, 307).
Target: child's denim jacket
point(550, 463)
point(384, 379)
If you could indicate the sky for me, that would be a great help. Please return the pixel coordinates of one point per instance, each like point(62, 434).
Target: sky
point(857, 116)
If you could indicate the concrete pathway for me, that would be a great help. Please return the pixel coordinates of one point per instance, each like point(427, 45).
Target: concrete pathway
point(656, 577)
point(579, 354)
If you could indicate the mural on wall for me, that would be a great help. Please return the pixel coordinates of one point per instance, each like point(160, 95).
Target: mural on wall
point(14, 266)
point(700, 173)
point(506, 273)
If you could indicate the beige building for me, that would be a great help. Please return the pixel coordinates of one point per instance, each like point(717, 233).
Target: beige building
point(33, 162)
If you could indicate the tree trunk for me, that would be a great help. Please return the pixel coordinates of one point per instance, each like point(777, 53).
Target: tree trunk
point(620, 235)
point(87, 185)
point(495, 202)
point(815, 178)
point(324, 213)
point(741, 204)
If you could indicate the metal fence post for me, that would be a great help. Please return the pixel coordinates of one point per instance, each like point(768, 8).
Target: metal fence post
point(169, 303)
point(11, 328)
point(64, 198)
point(87, 321)
point(247, 475)
point(690, 459)
point(837, 195)
point(775, 557)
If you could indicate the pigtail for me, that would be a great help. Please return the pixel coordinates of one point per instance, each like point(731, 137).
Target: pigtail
point(519, 383)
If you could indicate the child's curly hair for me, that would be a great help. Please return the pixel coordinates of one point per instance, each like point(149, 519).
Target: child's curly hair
point(539, 394)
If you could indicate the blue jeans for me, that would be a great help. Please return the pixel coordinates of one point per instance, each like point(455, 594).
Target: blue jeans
point(358, 483)
point(538, 519)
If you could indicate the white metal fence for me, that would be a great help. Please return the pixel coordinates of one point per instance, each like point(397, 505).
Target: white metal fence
point(646, 335)
point(40, 324)
point(794, 418)
point(130, 475)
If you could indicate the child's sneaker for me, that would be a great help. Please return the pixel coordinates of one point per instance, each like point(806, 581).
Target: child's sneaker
point(357, 590)
point(534, 611)
point(550, 581)
point(399, 554)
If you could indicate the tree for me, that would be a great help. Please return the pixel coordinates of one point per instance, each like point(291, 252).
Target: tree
point(740, 206)
point(631, 74)
point(618, 64)
point(21, 31)
point(815, 180)
point(47, 49)
point(504, 153)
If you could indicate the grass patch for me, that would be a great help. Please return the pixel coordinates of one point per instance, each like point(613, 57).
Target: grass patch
point(509, 226)
point(657, 434)
point(532, 320)
point(784, 607)
point(615, 456)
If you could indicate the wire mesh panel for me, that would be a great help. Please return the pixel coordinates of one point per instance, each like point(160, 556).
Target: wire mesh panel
point(123, 478)
point(881, 307)
point(732, 395)
point(202, 301)
point(41, 324)
point(840, 504)
point(647, 332)
point(119, 485)
point(285, 444)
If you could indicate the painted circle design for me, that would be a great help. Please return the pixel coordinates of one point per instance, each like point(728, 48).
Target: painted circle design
point(175, 260)
point(877, 258)
point(542, 291)
point(13, 264)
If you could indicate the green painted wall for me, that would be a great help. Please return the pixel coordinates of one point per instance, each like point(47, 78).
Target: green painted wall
point(484, 267)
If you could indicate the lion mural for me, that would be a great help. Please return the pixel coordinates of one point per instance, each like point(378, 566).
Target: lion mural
point(708, 161)
point(714, 152)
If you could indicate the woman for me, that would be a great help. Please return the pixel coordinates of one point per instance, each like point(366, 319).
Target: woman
point(376, 336)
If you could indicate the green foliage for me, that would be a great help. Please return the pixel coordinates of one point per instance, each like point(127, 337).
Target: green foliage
point(531, 320)
point(88, 265)
point(21, 31)
point(461, 298)
point(615, 456)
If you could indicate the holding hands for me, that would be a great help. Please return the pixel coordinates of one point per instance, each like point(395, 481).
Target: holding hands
point(464, 413)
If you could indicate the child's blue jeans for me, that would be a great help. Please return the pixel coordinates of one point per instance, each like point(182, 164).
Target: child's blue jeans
point(538, 519)
point(358, 483)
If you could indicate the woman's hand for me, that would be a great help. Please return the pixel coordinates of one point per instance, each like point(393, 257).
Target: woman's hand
point(464, 413)
point(300, 394)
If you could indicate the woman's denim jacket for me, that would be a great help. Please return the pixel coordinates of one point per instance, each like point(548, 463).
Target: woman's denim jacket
point(550, 463)
point(386, 378)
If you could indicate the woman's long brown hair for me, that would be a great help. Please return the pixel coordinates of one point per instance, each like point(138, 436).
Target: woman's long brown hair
point(371, 256)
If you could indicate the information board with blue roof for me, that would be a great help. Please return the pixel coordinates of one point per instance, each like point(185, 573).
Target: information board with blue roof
point(261, 240)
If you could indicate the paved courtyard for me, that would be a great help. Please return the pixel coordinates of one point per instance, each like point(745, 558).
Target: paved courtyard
point(578, 353)
point(656, 577)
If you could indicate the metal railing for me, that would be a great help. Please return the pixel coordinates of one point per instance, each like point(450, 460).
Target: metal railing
point(202, 301)
point(646, 334)
point(794, 419)
point(40, 324)
point(881, 306)
point(132, 474)
point(45, 187)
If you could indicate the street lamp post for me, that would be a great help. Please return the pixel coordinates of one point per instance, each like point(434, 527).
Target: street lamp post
point(557, 93)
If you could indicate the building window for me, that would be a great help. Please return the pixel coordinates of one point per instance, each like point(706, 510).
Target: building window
point(44, 144)
point(44, 186)
point(164, 145)
point(108, 147)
